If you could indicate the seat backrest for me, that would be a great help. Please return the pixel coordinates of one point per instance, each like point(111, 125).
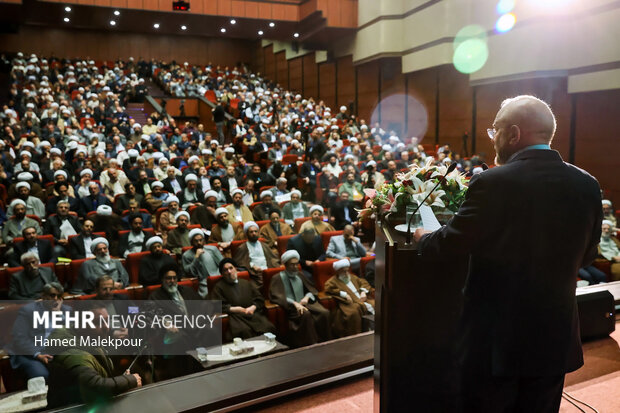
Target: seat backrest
point(5, 275)
point(74, 270)
point(327, 235)
point(267, 276)
point(47, 237)
point(236, 244)
point(133, 265)
point(321, 272)
point(283, 243)
point(299, 222)
point(253, 205)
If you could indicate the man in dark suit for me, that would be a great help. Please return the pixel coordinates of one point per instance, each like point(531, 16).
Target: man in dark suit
point(310, 249)
point(135, 239)
point(520, 332)
point(79, 247)
point(134, 209)
point(344, 213)
point(61, 225)
point(62, 188)
point(28, 283)
point(94, 200)
point(31, 242)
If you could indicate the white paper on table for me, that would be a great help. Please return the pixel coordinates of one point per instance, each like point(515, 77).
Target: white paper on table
point(429, 220)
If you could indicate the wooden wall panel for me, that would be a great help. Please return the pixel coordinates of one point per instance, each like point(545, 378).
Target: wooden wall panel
point(327, 83)
point(281, 70)
point(422, 99)
point(310, 85)
point(346, 83)
point(367, 89)
point(270, 63)
point(295, 80)
point(455, 102)
point(393, 96)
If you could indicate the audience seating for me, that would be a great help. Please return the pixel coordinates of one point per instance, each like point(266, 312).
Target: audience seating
point(47, 237)
point(299, 222)
point(147, 230)
point(327, 235)
point(133, 265)
point(283, 242)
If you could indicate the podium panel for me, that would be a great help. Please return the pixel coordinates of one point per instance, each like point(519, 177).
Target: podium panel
point(418, 308)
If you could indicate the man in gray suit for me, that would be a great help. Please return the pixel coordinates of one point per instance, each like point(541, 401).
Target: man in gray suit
point(347, 246)
point(101, 265)
point(14, 226)
point(28, 283)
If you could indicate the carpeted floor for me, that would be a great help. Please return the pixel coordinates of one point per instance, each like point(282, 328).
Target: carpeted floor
point(596, 383)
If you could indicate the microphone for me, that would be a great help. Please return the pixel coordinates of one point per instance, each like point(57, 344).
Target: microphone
point(451, 168)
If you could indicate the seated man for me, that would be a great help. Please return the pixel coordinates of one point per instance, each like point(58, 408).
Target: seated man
point(201, 261)
point(178, 237)
point(156, 198)
point(316, 223)
point(28, 283)
point(310, 249)
point(347, 246)
point(255, 255)
point(61, 226)
point(274, 229)
point(92, 201)
point(204, 215)
point(350, 292)
point(135, 239)
point(308, 319)
point(344, 213)
point(26, 356)
point(238, 211)
point(609, 213)
point(81, 376)
point(166, 218)
point(222, 196)
point(79, 247)
point(34, 206)
point(224, 232)
point(262, 211)
point(295, 208)
point(62, 188)
point(42, 247)
point(153, 262)
point(192, 193)
point(353, 188)
point(243, 303)
point(91, 270)
point(134, 209)
point(280, 188)
point(609, 248)
point(13, 227)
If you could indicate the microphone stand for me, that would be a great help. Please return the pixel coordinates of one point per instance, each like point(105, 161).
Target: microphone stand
point(451, 168)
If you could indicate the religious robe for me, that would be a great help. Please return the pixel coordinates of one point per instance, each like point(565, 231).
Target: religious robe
point(91, 270)
point(150, 266)
point(206, 265)
point(271, 236)
point(310, 327)
point(216, 236)
point(242, 294)
point(202, 216)
point(242, 258)
point(347, 319)
point(246, 214)
point(177, 239)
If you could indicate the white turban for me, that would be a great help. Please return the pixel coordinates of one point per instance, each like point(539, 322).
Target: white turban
point(28, 154)
point(316, 208)
point(192, 159)
point(607, 222)
point(152, 241)
point(288, 255)
point(25, 176)
point(22, 184)
point(606, 202)
point(296, 191)
point(236, 191)
point(17, 202)
point(343, 263)
point(133, 153)
point(56, 151)
point(171, 198)
point(265, 193)
point(220, 211)
point(157, 184)
point(97, 241)
point(230, 149)
point(60, 172)
point(194, 232)
point(181, 213)
point(104, 210)
point(190, 177)
point(248, 225)
point(210, 193)
point(86, 171)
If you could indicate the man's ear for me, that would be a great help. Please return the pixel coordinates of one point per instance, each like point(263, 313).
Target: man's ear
point(515, 135)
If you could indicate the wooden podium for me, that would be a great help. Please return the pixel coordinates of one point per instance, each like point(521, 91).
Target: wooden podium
point(418, 307)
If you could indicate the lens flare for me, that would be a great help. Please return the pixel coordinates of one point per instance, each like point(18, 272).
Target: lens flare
point(505, 6)
point(505, 22)
point(472, 31)
point(470, 56)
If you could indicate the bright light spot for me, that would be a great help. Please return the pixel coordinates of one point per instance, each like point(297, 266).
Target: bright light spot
point(112, 23)
point(550, 4)
point(117, 13)
point(505, 23)
point(67, 9)
point(296, 35)
point(183, 27)
point(156, 25)
point(66, 19)
point(223, 30)
point(233, 21)
point(473, 31)
point(470, 56)
point(505, 6)
point(272, 24)
point(260, 32)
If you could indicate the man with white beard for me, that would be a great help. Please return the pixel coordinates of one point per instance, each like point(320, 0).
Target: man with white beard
point(201, 261)
point(101, 265)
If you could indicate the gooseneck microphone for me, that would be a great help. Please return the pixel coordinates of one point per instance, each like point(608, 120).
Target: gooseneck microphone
point(451, 168)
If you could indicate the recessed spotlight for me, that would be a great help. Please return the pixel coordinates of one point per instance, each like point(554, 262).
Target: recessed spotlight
point(66, 19)
point(272, 24)
point(156, 25)
point(260, 32)
point(67, 9)
point(223, 30)
point(296, 35)
point(183, 27)
point(233, 21)
point(112, 23)
point(117, 13)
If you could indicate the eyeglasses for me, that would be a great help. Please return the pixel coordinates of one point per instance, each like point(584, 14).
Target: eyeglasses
point(53, 296)
point(491, 132)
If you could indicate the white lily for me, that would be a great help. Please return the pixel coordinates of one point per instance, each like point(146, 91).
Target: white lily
point(435, 197)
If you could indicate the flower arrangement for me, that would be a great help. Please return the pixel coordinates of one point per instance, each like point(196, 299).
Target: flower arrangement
point(411, 187)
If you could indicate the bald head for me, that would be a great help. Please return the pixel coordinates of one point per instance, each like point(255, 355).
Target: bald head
point(522, 121)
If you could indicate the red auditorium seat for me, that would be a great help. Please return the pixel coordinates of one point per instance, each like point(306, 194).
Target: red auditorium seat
point(234, 245)
point(321, 272)
point(210, 96)
point(214, 279)
point(299, 222)
point(48, 237)
point(5, 276)
point(327, 235)
point(289, 159)
point(133, 265)
point(74, 270)
point(283, 242)
point(253, 205)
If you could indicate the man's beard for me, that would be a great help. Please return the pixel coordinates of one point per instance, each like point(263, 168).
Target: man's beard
point(344, 278)
point(224, 224)
point(173, 211)
point(253, 239)
point(104, 260)
point(170, 289)
point(606, 237)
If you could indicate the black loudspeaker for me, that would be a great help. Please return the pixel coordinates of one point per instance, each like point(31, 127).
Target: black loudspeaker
point(596, 314)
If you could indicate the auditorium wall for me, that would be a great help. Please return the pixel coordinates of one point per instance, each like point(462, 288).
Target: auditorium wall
point(114, 45)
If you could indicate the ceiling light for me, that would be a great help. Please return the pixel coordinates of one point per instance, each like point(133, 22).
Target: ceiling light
point(112, 23)
point(156, 25)
point(223, 30)
point(272, 24)
point(66, 19)
point(233, 21)
point(183, 27)
point(67, 9)
point(260, 32)
point(296, 35)
point(117, 13)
